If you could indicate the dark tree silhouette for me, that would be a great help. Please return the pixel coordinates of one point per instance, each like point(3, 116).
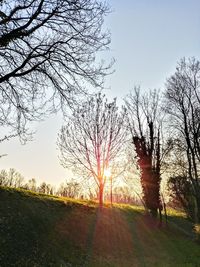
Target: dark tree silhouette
point(183, 107)
point(92, 139)
point(181, 193)
point(144, 124)
point(47, 51)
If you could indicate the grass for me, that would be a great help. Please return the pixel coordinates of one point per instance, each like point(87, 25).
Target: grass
point(38, 230)
point(33, 232)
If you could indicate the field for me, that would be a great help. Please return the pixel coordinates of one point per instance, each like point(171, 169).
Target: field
point(39, 230)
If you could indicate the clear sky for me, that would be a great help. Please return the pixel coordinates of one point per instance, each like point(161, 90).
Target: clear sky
point(148, 38)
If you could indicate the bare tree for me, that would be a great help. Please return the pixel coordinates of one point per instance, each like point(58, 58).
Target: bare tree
point(11, 178)
point(144, 120)
point(47, 52)
point(183, 107)
point(45, 188)
point(31, 185)
point(93, 138)
point(70, 189)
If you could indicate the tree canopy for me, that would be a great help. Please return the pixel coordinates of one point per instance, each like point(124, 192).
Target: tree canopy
point(92, 138)
point(48, 51)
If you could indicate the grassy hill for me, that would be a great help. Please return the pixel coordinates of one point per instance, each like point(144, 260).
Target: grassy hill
point(38, 230)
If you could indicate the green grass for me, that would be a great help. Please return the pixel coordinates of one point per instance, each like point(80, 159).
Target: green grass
point(31, 231)
point(40, 231)
point(168, 247)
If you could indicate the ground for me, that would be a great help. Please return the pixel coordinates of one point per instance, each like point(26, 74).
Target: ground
point(37, 230)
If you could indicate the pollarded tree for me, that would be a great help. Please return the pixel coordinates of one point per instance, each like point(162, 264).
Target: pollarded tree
point(145, 125)
point(47, 50)
point(93, 138)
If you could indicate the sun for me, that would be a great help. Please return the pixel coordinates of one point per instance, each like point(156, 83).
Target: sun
point(107, 172)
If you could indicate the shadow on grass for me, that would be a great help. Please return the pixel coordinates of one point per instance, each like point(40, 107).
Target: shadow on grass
point(165, 246)
point(42, 231)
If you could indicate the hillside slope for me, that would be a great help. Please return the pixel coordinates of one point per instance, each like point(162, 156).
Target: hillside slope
point(38, 230)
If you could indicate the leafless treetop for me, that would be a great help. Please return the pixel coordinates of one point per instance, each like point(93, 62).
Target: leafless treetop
point(48, 44)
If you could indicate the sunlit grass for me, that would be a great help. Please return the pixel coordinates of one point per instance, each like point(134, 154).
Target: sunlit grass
point(178, 213)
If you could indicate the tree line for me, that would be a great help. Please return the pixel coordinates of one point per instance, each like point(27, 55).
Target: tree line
point(71, 188)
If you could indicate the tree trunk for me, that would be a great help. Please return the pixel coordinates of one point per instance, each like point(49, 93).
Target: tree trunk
point(101, 187)
point(111, 191)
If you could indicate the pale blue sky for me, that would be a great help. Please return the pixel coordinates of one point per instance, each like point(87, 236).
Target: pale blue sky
point(148, 38)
